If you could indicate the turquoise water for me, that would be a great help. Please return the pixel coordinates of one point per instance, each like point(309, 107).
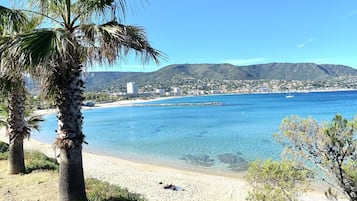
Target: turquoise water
point(220, 137)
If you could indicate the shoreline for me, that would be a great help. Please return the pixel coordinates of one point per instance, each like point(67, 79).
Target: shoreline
point(144, 176)
point(121, 103)
point(127, 103)
point(173, 165)
point(149, 179)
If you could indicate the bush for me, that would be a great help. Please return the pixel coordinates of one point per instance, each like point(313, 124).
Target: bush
point(99, 191)
point(4, 151)
point(36, 160)
point(331, 146)
point(276, 180)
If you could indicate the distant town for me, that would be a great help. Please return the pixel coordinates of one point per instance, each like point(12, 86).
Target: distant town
point(205, 87)
point(187, 87)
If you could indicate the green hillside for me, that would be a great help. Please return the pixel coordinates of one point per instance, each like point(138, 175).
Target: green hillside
point(272, 71)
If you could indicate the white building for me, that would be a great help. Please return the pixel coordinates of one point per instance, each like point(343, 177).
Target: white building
point(177, 91)
point(160, 91)
point(216, 91)
point(132, 88)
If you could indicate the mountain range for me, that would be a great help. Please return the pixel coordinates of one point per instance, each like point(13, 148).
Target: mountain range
point(273, 71)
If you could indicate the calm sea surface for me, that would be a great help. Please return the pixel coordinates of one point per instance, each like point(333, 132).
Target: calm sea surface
point(189, 132)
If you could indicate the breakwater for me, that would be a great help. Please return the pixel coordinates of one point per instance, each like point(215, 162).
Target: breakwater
point(181, 104)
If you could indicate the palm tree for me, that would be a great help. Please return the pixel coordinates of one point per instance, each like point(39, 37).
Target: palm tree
point(62, 53)
point(12, 85)
point(18, 120)
point(16, 127)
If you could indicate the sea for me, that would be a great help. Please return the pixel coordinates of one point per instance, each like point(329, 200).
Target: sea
point(216, 132)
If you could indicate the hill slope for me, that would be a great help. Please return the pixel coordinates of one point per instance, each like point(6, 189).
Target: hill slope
point(271, 71)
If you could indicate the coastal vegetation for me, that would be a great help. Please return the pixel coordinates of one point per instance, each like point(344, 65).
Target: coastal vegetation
point(277, 180)
point(327, 152)
point(12, 86)
point(332, 147)
point(58, 55)
point(41, 178)
point(16, 157)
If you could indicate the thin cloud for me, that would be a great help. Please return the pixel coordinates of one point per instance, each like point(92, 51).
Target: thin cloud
point(301, 45)
point(310, 40)
point(240, 62)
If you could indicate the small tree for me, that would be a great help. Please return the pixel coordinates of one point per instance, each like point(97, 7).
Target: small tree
point(332, 147)
point(276, 180)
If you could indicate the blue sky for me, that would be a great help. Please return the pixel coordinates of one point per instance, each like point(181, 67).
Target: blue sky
point(252, 31)
point(243, 32)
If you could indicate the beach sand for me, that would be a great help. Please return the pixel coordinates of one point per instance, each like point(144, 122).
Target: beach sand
point(149, 179)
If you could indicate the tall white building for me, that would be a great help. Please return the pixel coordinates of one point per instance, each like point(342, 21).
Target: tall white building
point(132, 88)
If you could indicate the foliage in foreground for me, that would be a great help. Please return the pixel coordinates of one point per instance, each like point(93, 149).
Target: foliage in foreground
point(99, 191)
point(332, 147)
point(4, 150)
point(36, 160)
point(276, 180)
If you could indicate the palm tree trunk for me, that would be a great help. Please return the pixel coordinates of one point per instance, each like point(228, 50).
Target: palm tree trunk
point(16, 162)
point(70, 136)
point(17, 130)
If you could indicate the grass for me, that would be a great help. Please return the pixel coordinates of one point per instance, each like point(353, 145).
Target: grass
point(36, 160)
point(98, 191)
point(41, 181)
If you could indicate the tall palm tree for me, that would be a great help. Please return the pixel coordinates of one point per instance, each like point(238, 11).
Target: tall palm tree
point(16, 126)
point(80, 36)
point(12, 86)
point(22, 118)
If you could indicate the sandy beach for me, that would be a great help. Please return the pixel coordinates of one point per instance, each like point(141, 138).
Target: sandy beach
point(149, 179)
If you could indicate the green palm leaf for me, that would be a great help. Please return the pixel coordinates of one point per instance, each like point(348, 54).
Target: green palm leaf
point(39, 46)
point(11, 20)
point(112, 41)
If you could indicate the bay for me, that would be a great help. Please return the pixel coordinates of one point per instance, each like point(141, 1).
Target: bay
point(219, 132)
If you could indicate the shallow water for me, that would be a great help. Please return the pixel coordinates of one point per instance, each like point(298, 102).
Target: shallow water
point(191, 131)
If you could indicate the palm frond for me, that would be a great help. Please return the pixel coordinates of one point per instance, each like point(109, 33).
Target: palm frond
point(12, 20)
point(89, 8)
point(136, 40)
point(53, 9)
point(39, 46)
point(48, 85)
point(112, 41)
point(33, 22)
point(33, 121)
point(89, 33)
point(4, 113)
point(9, 83)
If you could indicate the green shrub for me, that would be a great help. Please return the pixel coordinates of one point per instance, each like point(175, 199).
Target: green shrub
point(331, 146)
point(36, 160)
point(4, 151)
point(99, 191)
point(276, 180)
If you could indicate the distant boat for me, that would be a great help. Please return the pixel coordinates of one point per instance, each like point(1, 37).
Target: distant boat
point(289, 95)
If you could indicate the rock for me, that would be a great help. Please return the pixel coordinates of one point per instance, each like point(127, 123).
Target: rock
point(201, 160)
point(235, 162)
